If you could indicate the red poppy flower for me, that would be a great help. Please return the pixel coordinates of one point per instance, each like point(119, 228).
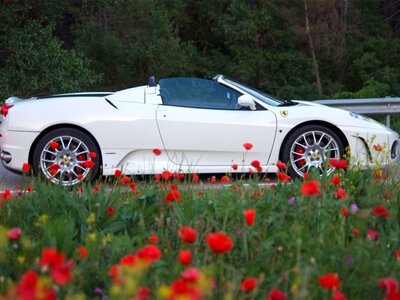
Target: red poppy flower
point(377, 148)
point(195, 177)
point(166, 175)
point(306, 175)
point(397, 255)
point(129, 260)
point(61, 273)
point(117, 173)
point(26, 289)
point(185, 257)
point(281, 165)
point(157, 151)
point(249, 216)
point(235, 188)
point(143, 293)
point(338, 296)
point(248, 284)
point(110, 211)
point(235, 166)
point(372, 235)
point(335, 180)
point(340, 193)
point(355, 231)
point(50, 257)
point(26, 167)
point(92, 154)
point(14, 234)
point(345, 212)
point(6, 194)
point(88, 164)
point(149, 253)
point(339, 164)
point(132, 186)
point(53, 169)
point(276, 294)
point(199, 193)
point(381, 211)
point(225, 179)
point(173, 195)
point(153, 239)
point(82, 252)
point(283, 177)
point(390, 285)
point(79, 177)
point(29, 288)
point(255, 164)
point(247, 146)
point(54, 145)
point(329, 281)
point(125, 180)
point(213, 180)
point(191, 274)
point(219, 242)
point(187, 234)
point(310, 188)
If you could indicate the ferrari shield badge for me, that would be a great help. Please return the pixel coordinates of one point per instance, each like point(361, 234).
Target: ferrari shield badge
point(284, 113)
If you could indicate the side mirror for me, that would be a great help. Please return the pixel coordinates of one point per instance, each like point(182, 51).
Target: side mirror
point(247, 101)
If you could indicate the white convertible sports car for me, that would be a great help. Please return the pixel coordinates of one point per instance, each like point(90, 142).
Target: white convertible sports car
point(199, 124)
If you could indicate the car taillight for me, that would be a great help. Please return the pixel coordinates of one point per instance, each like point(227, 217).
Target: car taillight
point(4, 108)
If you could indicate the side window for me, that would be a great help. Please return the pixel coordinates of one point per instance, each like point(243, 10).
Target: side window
point(198, 93)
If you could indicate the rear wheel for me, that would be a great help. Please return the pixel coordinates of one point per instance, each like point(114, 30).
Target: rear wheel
point(66, 156)
point(311, 147)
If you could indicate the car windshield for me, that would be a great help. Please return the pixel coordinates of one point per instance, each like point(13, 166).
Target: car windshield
point(266, 98)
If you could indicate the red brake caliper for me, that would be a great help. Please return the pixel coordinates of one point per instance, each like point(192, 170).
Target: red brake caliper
point(300, 163)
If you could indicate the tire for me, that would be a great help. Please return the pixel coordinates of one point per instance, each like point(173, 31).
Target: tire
point(65, 164)
point(310, 147)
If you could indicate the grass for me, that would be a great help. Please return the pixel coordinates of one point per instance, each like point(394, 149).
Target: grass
point(296, 238)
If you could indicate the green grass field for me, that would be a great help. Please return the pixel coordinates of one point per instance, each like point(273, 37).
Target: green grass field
point(321, 238)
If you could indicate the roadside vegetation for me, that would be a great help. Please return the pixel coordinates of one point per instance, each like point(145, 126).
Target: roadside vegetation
point(329, 237)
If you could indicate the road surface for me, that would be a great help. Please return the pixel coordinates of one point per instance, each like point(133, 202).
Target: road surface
point(8, 179)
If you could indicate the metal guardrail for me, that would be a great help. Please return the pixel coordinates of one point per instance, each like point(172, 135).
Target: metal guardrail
point(370, 106)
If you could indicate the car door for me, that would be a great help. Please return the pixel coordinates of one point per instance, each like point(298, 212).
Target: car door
point(201, 124)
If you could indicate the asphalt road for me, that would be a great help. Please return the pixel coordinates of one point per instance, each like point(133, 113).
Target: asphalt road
point(8, 179)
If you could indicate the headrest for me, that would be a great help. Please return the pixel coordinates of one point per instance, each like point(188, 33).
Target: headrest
point(152, 81)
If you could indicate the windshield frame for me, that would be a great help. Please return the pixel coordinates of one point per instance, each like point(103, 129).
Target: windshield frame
point(260, 95)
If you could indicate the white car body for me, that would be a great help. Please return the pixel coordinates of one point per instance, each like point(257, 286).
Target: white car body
point(127, 125)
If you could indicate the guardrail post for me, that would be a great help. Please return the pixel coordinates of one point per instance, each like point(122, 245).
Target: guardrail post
point(388, 121)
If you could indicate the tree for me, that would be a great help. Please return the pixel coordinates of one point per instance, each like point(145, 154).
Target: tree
point(38, 65)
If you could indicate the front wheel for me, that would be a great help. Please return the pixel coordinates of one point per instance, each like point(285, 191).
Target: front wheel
point(66, 156)
point(311, 147)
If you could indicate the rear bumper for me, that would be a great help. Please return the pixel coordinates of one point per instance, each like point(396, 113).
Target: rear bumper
point(15, 147)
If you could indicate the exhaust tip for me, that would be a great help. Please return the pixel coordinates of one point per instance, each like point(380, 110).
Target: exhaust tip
point(6, 157)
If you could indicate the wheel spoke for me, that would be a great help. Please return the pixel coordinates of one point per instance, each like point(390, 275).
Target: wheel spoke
point(69, 143)
point(299, 159)
point(49, 160)
point(48, 151)
point(77, 147)
point(320, 139)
